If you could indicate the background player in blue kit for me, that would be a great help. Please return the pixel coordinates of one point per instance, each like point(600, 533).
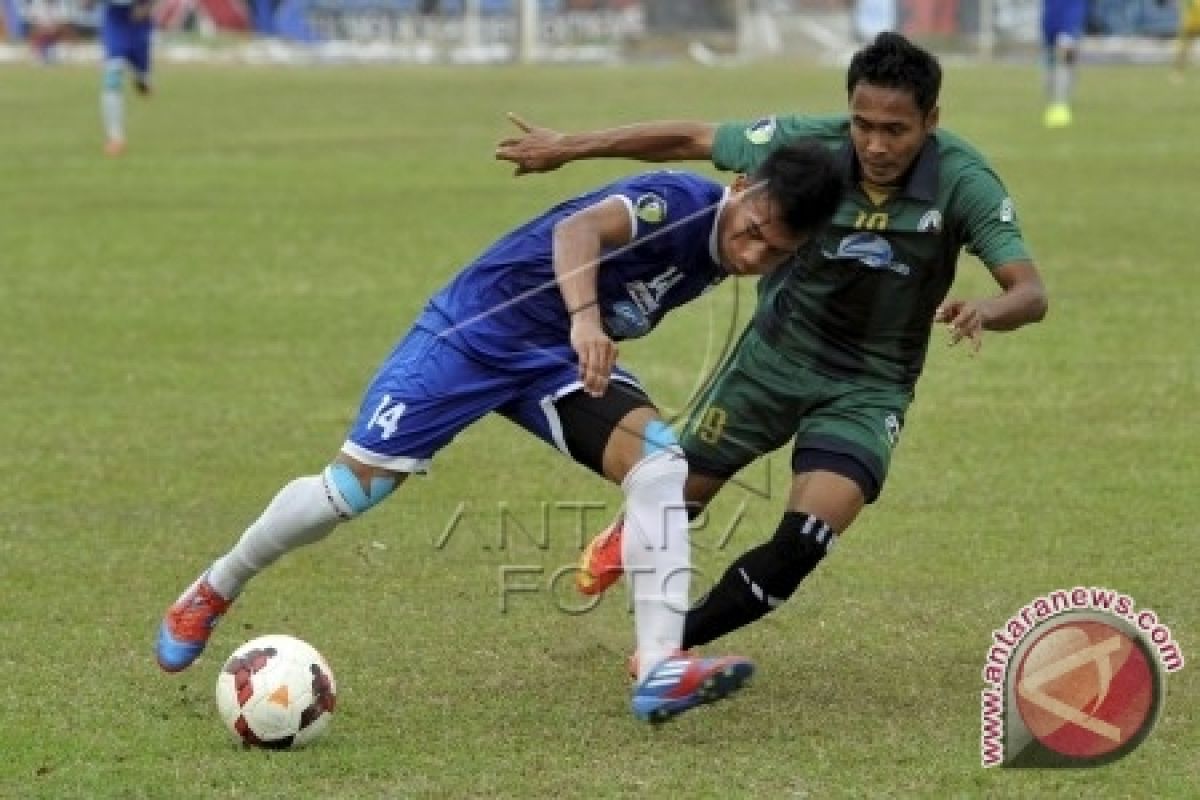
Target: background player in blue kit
point(125, 30)
point(527, 330)
point(1062, 31)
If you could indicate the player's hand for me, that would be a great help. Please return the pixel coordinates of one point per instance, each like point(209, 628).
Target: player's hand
point(537, 149)
point(965, 320)
point(597, 354)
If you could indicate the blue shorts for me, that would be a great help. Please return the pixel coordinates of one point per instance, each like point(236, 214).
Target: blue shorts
point(126, 38)
point(428, 390)
point(1062, 20)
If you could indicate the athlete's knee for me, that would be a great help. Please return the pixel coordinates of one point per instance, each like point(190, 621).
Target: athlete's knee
point(662, 460)
point(352, 494)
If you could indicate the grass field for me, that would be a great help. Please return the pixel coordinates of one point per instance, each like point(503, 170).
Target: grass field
point(187, 328)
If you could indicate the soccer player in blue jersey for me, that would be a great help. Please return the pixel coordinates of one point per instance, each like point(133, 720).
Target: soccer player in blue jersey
point(830, 362)
point(528, 330)
point(1062, 30)
point(125, 30)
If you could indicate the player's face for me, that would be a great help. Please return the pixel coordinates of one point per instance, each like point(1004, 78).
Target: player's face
point(750, 239)
point(888, 131)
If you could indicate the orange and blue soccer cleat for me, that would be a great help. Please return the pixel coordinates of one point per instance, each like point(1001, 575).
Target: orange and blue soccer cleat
point(684, 682)
point(188, 624)
point(600, 565)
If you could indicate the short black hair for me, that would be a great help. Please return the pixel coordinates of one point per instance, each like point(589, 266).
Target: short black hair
point(893, 62)
point(804, 183)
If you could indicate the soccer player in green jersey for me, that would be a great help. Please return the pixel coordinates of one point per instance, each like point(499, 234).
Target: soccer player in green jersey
point(839, 338)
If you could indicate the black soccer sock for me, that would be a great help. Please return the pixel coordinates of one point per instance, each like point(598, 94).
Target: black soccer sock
point(760, 579)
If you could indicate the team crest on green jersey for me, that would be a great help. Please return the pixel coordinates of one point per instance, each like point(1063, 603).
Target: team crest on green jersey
point(1007, 213)
point(930, 222)
point(651, 208)
point(761, 131)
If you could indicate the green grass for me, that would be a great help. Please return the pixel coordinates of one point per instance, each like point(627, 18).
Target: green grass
point(187, 328)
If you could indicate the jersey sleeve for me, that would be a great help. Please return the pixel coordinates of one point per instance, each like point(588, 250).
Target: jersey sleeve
point(665, 205)
point(742, 146)
point(987, 219)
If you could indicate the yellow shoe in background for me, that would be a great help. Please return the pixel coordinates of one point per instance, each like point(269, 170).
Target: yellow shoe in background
point(1058, 115)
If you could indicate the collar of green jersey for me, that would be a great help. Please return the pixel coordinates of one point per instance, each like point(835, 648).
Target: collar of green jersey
point(921, 180)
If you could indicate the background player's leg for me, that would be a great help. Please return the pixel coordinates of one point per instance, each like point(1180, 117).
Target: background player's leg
point(1183, 42)
point(1063, 84)
point(112, 105)
point(139, 62)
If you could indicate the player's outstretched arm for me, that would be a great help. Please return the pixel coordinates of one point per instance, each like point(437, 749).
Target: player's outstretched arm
point(539, 149)
point(1022, 300)
point(580, 242)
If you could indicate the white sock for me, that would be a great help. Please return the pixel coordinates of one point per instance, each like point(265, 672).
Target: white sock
point(112, 111)
point(1064, 79)
point(655, 551)
point(112, 100)
point(302, 513)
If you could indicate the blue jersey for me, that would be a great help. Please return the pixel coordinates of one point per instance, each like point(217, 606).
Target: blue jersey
point(125, 32)
point(497, 337)
point(1062, 19)
point(508, 297)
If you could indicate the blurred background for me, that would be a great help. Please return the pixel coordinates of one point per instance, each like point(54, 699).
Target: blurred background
point(587, 31)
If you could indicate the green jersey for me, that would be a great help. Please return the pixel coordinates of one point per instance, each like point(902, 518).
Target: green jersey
point(858, 301)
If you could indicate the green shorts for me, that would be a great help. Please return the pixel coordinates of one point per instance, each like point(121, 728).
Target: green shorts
point(758, 400)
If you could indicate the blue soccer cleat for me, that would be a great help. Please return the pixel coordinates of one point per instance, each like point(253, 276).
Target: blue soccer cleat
point(685, 681)
point(188, 624)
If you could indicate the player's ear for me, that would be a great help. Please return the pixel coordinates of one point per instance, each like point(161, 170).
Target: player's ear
point(739, 184)
point(931, 119)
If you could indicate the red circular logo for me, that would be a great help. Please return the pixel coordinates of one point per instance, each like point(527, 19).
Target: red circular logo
point(1085, 688)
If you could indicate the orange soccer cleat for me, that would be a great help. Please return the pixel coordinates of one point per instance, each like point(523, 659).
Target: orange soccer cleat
point(188, 624)
point(600, 565)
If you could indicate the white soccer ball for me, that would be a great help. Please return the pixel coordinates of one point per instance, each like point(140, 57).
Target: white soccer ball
point(276, 692)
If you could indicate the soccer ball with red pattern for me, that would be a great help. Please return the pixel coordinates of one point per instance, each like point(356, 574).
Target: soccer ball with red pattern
point(276, 692)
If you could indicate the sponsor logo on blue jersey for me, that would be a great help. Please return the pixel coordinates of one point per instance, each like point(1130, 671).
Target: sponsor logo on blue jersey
point(626, 321)
point(871, 250)
point(634, 317)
